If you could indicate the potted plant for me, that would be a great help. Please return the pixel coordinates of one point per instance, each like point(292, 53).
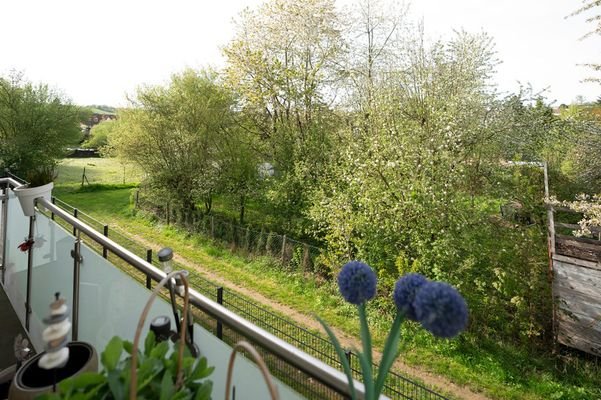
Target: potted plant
point(151, 373)
point(40, 185)
point(156, 374)
point(163, 370)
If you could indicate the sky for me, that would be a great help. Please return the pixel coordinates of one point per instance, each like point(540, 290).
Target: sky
point(98, 52)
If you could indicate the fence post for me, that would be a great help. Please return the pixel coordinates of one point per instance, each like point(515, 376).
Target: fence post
point(75, 215)
point(283, 248)
point(305, 257)
point(168, 214)
point(105, 250)
point(53, 200)
point(149, 259)
point(212, 227)
point(219, 324)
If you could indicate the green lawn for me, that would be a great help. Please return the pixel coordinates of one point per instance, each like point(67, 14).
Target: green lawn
point(97, 171)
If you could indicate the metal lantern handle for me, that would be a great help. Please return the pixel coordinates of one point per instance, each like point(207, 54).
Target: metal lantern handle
point(244, 345)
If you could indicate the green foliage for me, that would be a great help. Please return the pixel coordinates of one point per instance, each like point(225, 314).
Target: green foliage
point(36, 126)
point(284, 80)
point(157, 366)
point(99, 135)
point(175, 134)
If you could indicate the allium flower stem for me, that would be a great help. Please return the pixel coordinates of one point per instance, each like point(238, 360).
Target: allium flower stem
point(367, 366)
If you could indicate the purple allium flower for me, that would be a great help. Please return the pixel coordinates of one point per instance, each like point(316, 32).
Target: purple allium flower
point(357, 282)
point(440, 309)
point(404, 293)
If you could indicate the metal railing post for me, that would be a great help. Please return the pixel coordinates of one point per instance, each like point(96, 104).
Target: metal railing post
point(149, 260)
point(5, 193)
point(77, 259)
point(29, 272)
point(53, 199)
point(75, 215)
point(105, 250)
point(219, 333)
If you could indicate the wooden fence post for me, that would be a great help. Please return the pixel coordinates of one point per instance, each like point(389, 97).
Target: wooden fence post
point(305, 257)
point(212, 227)
point(283, 247)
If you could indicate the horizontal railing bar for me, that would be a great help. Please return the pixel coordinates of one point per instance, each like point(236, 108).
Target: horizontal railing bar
point(13, 183)
point(312, 366)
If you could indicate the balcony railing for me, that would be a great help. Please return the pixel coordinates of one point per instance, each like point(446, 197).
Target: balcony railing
point(106, 301)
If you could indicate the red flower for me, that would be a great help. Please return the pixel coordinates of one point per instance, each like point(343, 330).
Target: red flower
point(26, 245)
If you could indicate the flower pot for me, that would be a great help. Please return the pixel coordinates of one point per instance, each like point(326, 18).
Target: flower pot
point(31, 381)
point(28, 195)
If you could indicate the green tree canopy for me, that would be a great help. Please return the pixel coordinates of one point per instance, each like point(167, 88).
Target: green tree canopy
point(283, 63)
point(173, 133)
point(36, 125)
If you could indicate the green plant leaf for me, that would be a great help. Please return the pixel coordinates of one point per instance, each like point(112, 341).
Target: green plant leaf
point(147, 371)
point(167, 387)
point(128, 346)
point(389, 354)
point(160, 350)
point(149, 343)
point(204, 391)
point(112, 353)
point(343, 360)
point(86, 379)
point(183, 393)
point(49, 396)
point(202, 370)
point(116, 386)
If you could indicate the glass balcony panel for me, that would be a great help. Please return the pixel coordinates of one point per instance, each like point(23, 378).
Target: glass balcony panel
point(16, 261)
point(52, 268)
point(110, 301)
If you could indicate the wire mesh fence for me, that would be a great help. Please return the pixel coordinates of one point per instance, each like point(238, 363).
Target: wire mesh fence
point(293, 254)
point(396, 386)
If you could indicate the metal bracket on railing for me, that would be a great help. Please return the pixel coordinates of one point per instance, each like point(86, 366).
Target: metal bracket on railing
point(77, 256)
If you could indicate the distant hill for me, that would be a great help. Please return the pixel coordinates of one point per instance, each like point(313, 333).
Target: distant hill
point(102, 110)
